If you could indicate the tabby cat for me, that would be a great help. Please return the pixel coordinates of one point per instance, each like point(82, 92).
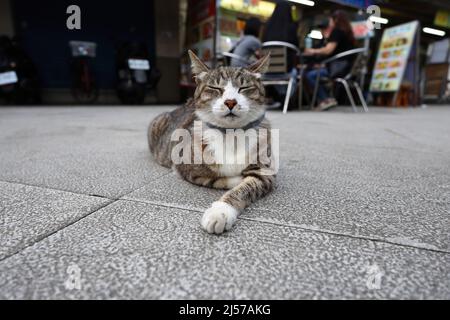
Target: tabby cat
point(225, 99)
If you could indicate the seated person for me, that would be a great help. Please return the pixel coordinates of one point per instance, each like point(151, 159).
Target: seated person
point(248, 47)
point(324, 27)
point(341, 39)
point(281, 26)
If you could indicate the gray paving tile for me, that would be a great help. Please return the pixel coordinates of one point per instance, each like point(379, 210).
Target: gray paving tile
point(98, 151)
point(345, 178)
point(376, 178)
point(29, 214)
point(136, 250)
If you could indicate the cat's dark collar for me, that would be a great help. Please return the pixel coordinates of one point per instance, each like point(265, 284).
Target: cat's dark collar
point(250, 125)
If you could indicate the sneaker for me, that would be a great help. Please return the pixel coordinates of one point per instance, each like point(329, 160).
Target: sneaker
point(327, 104)
point(273, 105)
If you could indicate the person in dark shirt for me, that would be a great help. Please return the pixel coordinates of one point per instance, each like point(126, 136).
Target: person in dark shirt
point(314, 60)
point(282, 27)
point(341, 39)
point(325, 29)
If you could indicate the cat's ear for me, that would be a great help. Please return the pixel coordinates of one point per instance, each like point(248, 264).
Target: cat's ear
point(199, 69)
point(261, 66)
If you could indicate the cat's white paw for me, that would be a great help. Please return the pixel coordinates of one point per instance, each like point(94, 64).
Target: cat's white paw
point(220, 217)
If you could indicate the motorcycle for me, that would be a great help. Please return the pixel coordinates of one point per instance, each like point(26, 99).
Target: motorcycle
point(84, 86)
point(135, 75)
point(19, 83)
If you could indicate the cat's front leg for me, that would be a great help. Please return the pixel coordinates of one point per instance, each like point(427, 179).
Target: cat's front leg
point(222, 214)
point(202, 175)
point(219, 217)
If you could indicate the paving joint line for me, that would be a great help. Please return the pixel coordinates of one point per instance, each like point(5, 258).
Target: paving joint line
point(106, 204)
point(56, 189)
point(296, 226)
point(347, 235)
point(84, 194)
point(168, 205)
point(43, 237)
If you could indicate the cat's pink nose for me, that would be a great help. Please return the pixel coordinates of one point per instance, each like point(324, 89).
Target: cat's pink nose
point(230, 103)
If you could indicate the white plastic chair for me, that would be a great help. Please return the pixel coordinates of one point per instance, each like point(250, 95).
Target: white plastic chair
point(348, 80)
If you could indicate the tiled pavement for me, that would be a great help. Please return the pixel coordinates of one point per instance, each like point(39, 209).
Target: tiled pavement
point(361, 210)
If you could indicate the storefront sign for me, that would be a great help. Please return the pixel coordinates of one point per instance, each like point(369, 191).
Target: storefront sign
point(361, 4)
point(442, 19)
point(392, 59)
point(254, 7)
point(200, 10)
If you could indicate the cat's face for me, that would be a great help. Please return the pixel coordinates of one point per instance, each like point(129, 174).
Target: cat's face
point(229, 97)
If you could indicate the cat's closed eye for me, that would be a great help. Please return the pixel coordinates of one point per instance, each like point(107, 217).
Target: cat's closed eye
point(215, 89)
point(246, 89)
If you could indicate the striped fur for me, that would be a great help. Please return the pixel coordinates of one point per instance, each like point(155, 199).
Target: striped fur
point(245, 183)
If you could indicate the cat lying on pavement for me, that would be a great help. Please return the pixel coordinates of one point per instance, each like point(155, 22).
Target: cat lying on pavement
point(227, 101)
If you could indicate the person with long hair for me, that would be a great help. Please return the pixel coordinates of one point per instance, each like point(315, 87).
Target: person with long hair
point(341, 39)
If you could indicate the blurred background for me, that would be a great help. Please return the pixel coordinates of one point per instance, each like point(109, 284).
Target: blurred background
point(91, 65)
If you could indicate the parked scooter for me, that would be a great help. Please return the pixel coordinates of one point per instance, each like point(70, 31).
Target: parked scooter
point(84, 86)
point(19, 82)
point(135, 75)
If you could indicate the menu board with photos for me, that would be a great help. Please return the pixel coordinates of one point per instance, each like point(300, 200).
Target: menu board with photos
point(393, 56)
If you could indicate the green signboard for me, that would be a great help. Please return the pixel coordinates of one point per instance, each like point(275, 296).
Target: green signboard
point(442, 19)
